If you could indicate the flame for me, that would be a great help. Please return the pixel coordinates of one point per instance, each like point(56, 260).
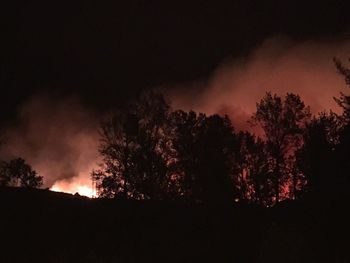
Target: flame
point(81, 187)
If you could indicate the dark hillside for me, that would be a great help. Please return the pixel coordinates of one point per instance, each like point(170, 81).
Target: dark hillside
point(43, 226)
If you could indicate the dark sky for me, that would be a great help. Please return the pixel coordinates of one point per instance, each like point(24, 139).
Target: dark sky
point(106, 51)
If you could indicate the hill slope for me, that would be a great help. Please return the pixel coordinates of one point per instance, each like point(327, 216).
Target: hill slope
point(44, 226)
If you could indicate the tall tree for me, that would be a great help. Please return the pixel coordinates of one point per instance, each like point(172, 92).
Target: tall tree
point(344, 100)
point(136, 150)
point(315, 159)
point(5, 177)
point(253, 175)
point(342, 150)
point(154, 140)
point(118, 148)
point(204, 149)
point(186, 126)
point(282, 122)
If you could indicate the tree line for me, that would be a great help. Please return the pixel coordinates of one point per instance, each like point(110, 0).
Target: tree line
point(150, 151)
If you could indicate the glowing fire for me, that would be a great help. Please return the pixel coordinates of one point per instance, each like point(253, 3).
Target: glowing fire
point(81, 187)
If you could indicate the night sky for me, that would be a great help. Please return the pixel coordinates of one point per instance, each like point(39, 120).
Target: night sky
point(104, 52)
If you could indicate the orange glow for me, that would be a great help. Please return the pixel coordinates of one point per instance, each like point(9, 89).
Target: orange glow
point(83, 188)
point(278, 65)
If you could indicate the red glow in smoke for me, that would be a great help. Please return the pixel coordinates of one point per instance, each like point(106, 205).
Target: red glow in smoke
point(60, 139)
point(278, 65)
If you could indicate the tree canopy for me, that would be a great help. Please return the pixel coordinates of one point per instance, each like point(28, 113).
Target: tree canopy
point(17, 172)
point(153, 152)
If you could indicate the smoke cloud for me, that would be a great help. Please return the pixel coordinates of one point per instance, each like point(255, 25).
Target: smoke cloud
point(59, 139)
point(278, 65)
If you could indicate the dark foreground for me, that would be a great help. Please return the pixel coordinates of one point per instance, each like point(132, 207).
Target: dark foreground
point(43, 226)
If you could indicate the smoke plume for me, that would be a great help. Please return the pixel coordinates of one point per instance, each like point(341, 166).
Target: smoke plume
point(58, 138)
point(278, 65)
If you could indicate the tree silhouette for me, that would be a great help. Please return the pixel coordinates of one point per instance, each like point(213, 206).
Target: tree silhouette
point(18, 173)
point(316, 158)
point(118, 146)
point(344, 100)
point(136, 151)
point(186, 127)
point(253, 175)
point(150, 152)
point(282, 122)
point(205, 156)
point(155, 153)
point(342, 151)
point(342, 159)
point(5, 177)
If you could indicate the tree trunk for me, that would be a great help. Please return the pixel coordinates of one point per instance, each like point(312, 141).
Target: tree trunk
point(277, 180)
